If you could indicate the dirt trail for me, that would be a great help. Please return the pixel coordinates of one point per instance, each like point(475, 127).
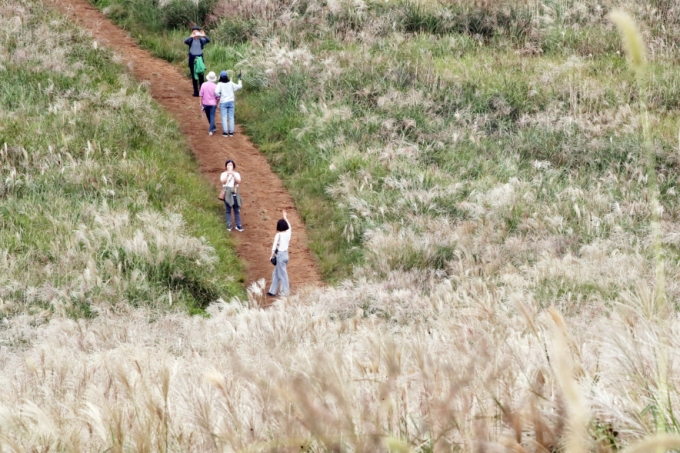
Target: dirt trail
point(263, 193)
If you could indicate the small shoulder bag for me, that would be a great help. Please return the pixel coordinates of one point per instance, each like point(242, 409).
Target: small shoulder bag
point(276, 252)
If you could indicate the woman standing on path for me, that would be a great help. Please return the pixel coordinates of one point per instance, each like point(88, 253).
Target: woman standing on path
point(196, 42)
point(209, 101)
point(225, 91)
point(230, 180)
point(280, 251)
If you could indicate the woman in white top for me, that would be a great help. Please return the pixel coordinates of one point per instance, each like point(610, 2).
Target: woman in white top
point(280, 250)
point(225, 90)
point(230, 180)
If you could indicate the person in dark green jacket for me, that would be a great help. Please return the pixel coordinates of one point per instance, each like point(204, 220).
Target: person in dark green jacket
point(196, 42)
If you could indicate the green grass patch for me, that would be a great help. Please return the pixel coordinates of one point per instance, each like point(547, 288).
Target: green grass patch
point(101, 201)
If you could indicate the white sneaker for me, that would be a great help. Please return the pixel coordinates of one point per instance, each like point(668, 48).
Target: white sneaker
point(210, 133)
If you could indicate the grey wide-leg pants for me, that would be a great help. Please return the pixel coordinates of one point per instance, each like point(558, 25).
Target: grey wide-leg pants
point(280, 275)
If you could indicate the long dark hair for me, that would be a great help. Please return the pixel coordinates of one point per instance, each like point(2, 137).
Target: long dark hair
point(224, 79)
point(281, 225)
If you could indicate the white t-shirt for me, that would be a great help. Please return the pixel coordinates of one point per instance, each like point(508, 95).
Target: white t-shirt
point(281, 240)
point(225, 91)
point(229, 181)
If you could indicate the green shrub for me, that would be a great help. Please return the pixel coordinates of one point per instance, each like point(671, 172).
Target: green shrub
point(234, 30)
point(148, 15)
point(180, 14)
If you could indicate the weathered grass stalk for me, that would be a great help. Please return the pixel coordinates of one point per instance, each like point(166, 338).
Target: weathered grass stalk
point(657, 443)
point(576, 440)
point(635, 50)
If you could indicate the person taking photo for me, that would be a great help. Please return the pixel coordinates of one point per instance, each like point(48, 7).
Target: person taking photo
point(225, 91)
point(230, 180)
point(196, 42)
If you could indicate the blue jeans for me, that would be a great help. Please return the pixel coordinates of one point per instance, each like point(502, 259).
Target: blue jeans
point(237, 213)
point(280, 275)
point(210, 114)
point(227, 112)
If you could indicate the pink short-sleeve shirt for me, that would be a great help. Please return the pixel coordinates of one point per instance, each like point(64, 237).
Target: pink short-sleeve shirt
point(208, 94)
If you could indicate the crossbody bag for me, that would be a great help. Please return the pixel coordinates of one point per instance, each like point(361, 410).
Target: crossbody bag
point(223, 192)
point(276, 251)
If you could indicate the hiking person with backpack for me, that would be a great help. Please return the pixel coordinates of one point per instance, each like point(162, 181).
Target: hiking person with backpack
point(225, 91)
point(209, 101)
point(279, 258)
point(196, 42)
point(230, 194)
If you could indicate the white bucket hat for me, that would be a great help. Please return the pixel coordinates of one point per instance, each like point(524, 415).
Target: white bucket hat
point(211, 76)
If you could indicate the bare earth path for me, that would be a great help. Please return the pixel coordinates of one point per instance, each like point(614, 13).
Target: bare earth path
point(263, 193)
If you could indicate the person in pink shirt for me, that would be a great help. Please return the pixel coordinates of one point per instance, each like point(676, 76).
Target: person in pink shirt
point(209, 101)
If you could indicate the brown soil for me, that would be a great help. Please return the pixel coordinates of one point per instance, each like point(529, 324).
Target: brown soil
point(263, 193)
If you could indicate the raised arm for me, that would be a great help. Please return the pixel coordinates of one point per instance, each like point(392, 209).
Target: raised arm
point(285, 217)
point(188, 41)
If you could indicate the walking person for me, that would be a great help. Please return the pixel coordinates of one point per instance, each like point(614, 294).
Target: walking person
point(196, 42)
point(225, 91)
point(280, 251)
point(209, 101)
point(230, 180)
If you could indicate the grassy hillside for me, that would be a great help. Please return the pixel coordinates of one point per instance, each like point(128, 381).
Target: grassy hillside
point(100, 201)
point(474, 173)
point(500, 139)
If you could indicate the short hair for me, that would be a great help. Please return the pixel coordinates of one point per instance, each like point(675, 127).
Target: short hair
point(281, 225)
point(232, 162)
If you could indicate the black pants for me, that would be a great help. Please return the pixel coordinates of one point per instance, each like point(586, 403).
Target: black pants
point(197, 83)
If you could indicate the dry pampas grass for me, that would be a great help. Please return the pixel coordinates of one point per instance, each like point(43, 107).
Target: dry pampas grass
point(443, 340)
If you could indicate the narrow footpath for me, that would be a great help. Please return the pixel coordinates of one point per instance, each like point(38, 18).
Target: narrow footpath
point(263, 193)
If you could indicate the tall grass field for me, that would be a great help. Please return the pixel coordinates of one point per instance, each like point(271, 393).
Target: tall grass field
point(491, 188)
